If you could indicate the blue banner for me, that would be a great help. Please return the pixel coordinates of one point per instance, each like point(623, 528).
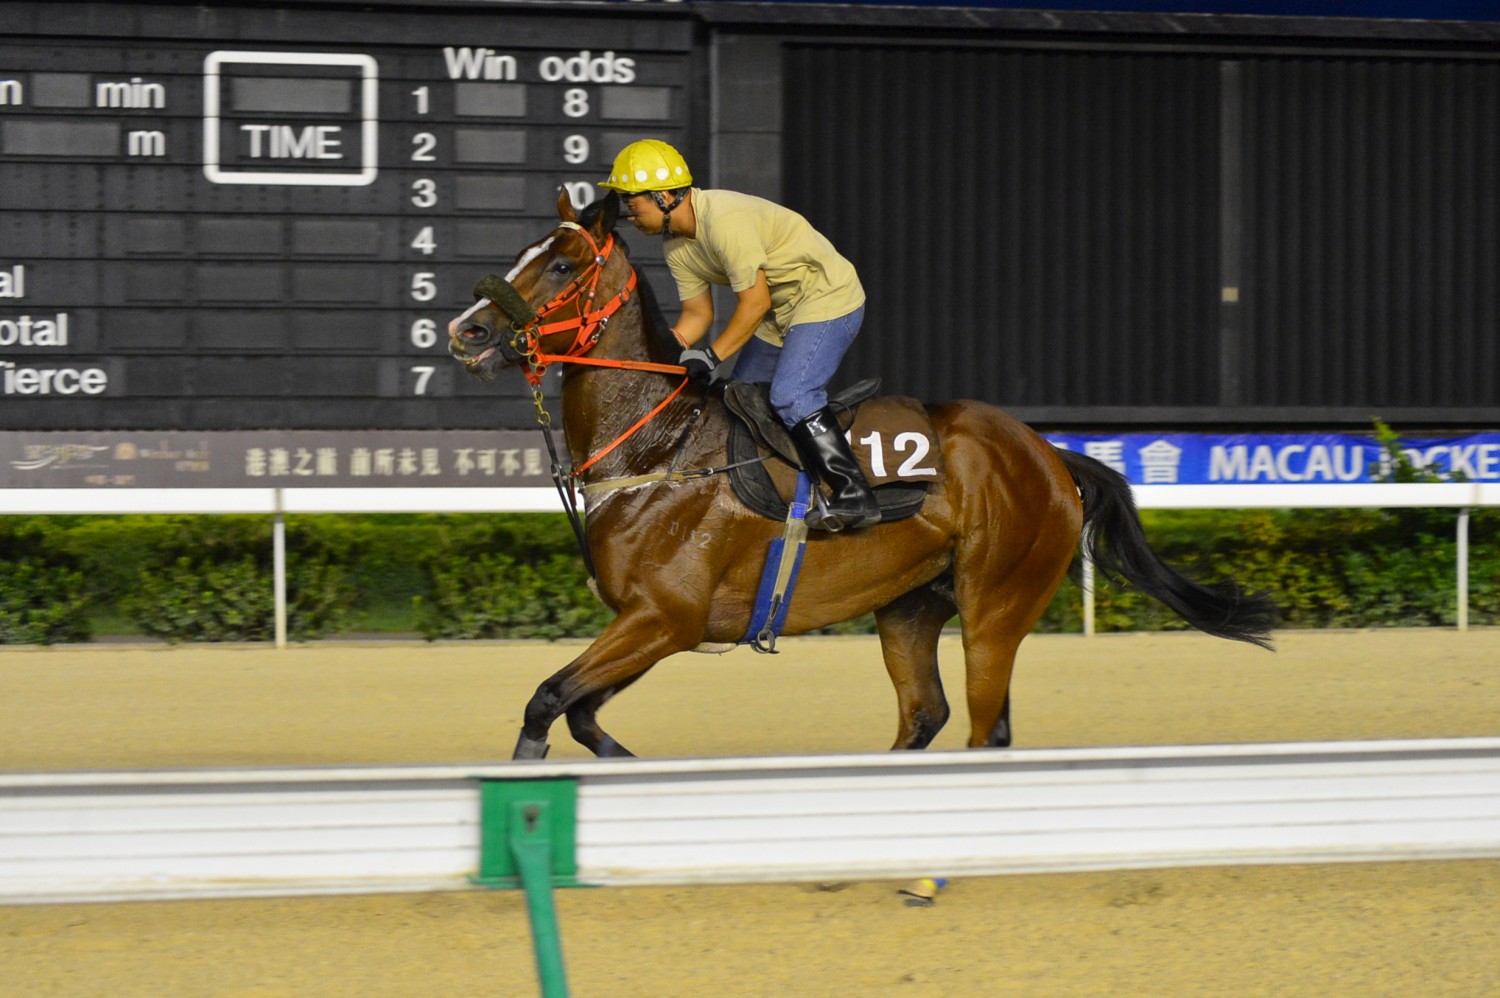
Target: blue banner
point(1321, 458)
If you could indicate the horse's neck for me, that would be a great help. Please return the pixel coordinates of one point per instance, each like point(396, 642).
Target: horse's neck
point(602, 404)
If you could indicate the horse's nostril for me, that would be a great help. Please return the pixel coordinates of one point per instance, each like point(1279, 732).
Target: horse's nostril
point(475, 334)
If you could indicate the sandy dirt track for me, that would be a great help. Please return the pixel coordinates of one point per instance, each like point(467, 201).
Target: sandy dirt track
point(1366, 929)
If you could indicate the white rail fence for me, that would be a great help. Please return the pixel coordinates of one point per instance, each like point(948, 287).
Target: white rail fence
point(105, 836)
point(280, 501)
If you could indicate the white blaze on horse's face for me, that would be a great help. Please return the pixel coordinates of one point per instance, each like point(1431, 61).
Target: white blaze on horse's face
point(456, 327)
point(528, 256)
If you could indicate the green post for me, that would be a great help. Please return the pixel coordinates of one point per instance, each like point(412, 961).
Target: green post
point(528, 839)
point(531, 845)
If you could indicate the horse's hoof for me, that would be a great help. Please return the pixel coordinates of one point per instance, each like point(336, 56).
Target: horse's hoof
point(530, 748)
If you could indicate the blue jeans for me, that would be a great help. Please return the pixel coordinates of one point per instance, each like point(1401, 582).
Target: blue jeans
point(799, 371)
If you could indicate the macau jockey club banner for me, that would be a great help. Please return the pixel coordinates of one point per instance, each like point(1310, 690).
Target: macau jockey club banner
point(1261, 459)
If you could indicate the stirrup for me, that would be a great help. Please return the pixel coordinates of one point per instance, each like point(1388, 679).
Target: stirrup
point(823, 517)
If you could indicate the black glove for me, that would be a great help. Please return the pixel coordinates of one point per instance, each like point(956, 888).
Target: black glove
point(700, 364)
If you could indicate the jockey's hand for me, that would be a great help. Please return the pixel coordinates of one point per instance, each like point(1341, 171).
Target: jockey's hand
point(700, 363)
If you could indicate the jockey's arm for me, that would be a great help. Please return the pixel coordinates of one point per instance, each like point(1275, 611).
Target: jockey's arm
point(697, 315)
point(754, 302)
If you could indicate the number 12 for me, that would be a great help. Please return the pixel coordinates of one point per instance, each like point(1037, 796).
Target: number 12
point(912, 466)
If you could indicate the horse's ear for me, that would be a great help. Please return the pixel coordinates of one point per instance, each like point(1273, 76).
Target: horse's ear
point(565, 210)
point(604, 219)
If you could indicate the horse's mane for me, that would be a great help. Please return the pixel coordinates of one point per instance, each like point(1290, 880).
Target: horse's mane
point(660, 340)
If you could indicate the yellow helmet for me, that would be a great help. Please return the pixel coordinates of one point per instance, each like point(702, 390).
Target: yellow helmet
point(648, 165)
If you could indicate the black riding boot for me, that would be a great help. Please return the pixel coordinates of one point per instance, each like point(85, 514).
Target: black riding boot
point(827, 458)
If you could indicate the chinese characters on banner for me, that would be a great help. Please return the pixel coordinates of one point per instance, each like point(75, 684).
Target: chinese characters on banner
point(394, 462)
point(322, 459)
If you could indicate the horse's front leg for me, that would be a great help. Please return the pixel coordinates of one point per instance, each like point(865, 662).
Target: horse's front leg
point(583, 722)
point(629, 646)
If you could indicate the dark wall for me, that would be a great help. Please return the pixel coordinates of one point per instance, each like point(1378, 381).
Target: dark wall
point(1371, 234)
point(1027, 224)
point(1088, 235)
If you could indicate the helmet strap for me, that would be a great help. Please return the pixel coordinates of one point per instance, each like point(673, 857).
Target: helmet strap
point(666, 211)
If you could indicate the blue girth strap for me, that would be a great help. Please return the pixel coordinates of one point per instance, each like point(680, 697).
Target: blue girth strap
point(783, 562)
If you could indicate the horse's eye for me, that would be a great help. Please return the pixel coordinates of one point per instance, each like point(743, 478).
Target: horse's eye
point(562, 267)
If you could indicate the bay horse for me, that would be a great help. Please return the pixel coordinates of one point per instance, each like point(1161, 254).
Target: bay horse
point(679, 559)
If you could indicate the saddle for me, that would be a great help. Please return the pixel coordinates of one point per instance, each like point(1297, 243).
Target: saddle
point(892, 438)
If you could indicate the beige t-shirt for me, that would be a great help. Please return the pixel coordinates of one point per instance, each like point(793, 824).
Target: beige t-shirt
point(738, 234)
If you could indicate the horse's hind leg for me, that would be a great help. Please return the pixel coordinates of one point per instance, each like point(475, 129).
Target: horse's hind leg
point(990, 658)
point(909, 629)
point(995, 620)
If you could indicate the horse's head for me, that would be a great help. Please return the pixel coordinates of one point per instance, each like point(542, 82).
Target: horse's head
point(542, 306)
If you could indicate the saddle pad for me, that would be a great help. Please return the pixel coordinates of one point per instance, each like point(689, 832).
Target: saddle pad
point(893, 441)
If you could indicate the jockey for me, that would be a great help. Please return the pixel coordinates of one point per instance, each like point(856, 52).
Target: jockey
point(800, 306)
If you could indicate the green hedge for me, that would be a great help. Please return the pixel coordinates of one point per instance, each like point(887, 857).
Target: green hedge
point(44, 594)
point(209, 578)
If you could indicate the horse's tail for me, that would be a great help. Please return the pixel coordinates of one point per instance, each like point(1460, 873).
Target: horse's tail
point(1115, 541)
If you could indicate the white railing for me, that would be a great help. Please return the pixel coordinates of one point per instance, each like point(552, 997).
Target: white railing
point(110, 836)
point(280, 501)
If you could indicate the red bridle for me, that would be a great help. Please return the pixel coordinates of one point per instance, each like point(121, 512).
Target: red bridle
point(589, 323)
